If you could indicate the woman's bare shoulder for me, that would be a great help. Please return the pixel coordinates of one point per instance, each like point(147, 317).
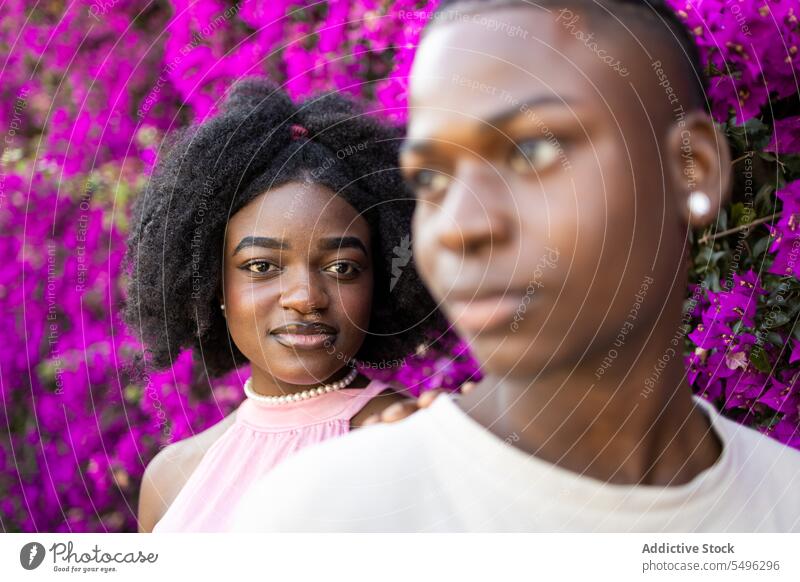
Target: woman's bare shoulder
point(169, 470)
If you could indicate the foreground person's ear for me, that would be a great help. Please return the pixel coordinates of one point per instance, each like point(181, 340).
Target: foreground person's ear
point(699, 165)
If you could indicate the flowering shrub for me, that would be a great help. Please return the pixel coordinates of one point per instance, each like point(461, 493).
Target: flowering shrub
point(90, 88)
point(743, 342)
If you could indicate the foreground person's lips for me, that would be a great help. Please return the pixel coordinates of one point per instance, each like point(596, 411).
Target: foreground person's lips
point(304, 336)
point(485, 313)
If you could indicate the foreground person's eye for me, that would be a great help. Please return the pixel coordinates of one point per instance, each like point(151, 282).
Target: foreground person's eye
point(428, 181)
point(259, 267)
point(344, 269)
point(534, 155)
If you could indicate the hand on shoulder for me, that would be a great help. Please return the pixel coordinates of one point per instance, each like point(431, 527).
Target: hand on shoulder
point(406, 407)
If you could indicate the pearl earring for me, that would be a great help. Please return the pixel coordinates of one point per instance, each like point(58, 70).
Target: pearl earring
point(222, 306)
point(699, 204)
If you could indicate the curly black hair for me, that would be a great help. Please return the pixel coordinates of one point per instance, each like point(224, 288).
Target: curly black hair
point(210, 171)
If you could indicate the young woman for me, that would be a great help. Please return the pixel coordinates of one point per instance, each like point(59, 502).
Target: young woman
point(266, 236)
point(555, 194)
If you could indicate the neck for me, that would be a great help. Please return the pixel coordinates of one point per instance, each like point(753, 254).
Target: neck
point(266, 384)
point(635, 424)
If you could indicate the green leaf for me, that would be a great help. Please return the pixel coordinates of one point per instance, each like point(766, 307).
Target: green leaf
point(712, 280)
point(764, 195)
point(722, 220)
point(776, 319)
point(761, 245)
point(755, 125)
point(775, 339)
point(715, 257)
point(133, 393)
point(758, 358)
point(737, 211)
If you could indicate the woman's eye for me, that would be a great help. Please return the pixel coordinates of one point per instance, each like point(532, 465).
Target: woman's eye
point(259, 267)
point(345, 270)
point(534, 155)
point(429, 181)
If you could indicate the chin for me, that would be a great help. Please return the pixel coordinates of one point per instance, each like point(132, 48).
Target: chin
point(309, 375)
point(301, 367)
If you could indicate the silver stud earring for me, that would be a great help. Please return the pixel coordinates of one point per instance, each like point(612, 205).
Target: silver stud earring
point(699, 204)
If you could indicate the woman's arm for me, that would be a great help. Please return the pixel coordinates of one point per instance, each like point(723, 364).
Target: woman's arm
point(169, 470)
point(152, 499)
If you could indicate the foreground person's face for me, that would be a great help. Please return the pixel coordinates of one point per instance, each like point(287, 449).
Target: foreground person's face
point(541, 204)
point(298, 282)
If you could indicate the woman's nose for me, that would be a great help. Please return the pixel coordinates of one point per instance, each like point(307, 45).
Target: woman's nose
point(304, 294)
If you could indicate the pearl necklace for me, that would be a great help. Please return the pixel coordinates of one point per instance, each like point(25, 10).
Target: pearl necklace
point(297, 397)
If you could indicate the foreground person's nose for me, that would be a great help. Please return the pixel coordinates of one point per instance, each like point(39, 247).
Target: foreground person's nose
point(473, 218)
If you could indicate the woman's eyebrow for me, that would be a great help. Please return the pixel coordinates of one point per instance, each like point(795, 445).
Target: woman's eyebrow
point(261, 241)
point(339, 242)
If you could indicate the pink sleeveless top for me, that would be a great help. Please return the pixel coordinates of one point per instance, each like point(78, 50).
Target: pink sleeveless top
point(260, 437)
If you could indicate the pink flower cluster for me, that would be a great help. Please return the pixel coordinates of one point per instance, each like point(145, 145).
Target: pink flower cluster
point(735, 366)
point(745, 347)
point(749, 48)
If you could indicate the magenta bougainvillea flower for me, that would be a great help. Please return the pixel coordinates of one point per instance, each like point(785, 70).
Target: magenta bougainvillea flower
point(786, 234)
point(750, 50)
point(785, 137)
point(731, 307)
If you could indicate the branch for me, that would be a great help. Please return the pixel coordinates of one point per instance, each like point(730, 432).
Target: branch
point(708, 237)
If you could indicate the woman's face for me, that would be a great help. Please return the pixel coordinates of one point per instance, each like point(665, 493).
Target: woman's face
point(298, 282)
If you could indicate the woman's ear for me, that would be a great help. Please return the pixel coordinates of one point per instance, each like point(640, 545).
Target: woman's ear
point(699, 162)
point(221, 300)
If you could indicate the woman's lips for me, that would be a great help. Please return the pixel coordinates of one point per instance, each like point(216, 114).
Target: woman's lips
point(486, 313)
point(302, 335)
point(302, 341)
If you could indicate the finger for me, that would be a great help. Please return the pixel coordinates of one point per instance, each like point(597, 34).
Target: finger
point(399, 411)
point(372, 419)
point(426, 398)
point(468, 387)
